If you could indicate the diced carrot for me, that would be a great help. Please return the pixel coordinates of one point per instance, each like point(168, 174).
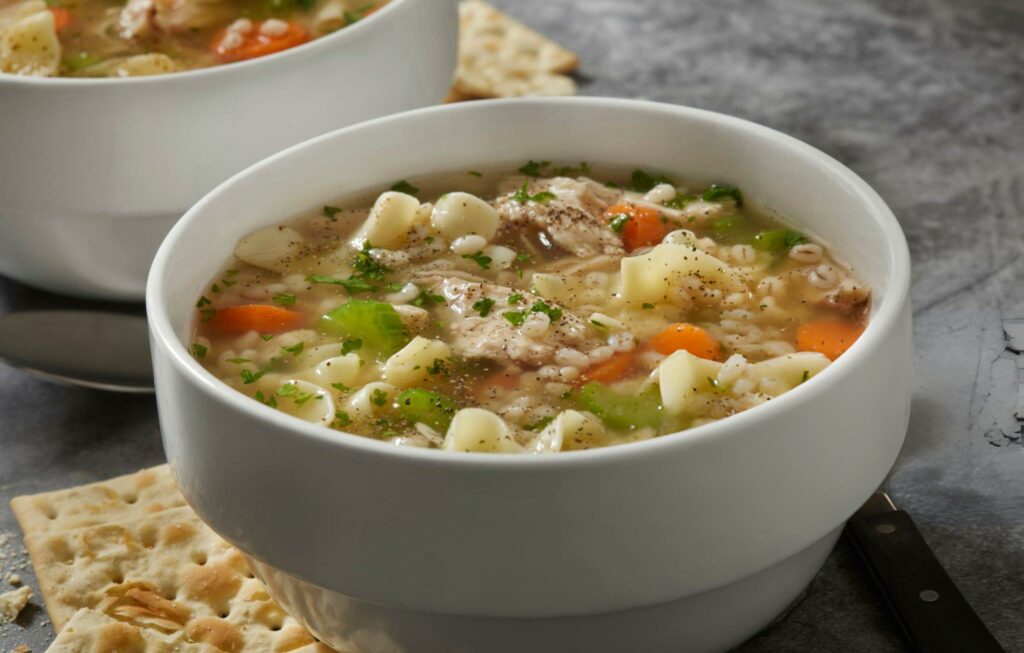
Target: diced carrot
point(256, 44)
point(614, 369)
point(256, 317)
point(61, 18)
point(682, 335)
point(829, 337)
point(643, 228)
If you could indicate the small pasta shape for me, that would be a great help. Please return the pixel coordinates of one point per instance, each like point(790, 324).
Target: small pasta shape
point(412, 363)
point(271, 248)
point(371, 399)
point(339, 369)
point(306, 401)
point(389, 221)
point(461, 214)
point(568, 424)
point(478, 429)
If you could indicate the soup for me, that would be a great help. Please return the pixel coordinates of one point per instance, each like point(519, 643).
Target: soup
point(537, 311)
point(113, 38)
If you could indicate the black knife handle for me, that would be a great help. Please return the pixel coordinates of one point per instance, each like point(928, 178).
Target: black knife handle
point(934, 615)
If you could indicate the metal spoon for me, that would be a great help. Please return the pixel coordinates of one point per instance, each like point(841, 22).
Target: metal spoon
point(105, 351)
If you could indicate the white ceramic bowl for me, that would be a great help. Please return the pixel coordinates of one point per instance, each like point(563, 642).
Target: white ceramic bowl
point(691, 541)
point(94, 172)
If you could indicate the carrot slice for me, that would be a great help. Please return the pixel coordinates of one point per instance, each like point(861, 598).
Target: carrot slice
point(682, 335)
point(829, 337)
point(256, 317)
point(643, 228)
point(61, 18)
point(256, 44)
point(614, 369)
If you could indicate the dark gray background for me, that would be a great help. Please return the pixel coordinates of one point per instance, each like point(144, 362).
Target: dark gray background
point(926, 101)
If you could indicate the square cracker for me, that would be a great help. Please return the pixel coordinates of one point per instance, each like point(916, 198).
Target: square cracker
point(501, 57)
point(125, 497)
point(168, 573)
point(95, 632)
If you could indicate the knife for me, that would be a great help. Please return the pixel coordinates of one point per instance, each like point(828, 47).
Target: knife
point(931, 611)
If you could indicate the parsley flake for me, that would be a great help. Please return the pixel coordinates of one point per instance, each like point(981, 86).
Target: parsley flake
point(483, 306)
point(198, 350)
point(249, 376)
point(284, 299)
point(481, 259)
point(522, 196)
point(404, 187)
point(618, 222)
point(350, 345)
point(294, 349)
point(534, 168)
point(331, 211)
point(378, 397)
point(515, 317)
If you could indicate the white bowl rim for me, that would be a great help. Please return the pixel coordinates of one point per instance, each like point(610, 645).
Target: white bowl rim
point(887, 313)
point(185, 76)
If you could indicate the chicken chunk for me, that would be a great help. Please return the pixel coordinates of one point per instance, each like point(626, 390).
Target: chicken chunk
point(574, 218)
point(141, 18)
point(481, 330)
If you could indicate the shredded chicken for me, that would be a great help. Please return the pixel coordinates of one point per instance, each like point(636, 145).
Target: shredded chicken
point(574, 218)
point(492, 336)
point(141, 18)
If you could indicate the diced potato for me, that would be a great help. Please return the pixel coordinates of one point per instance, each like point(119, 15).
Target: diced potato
point(477, 429)
point(571, 290)
point(568, 424)
point(777, 375)
point(461, 214)
point(271, 248)
point(141, 65)
point(389, 221)
point(412, 363)
point(681, 376)
point(29, 46)
point(650, 276)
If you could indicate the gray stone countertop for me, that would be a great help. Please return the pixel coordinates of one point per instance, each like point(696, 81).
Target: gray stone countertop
point(925, 100)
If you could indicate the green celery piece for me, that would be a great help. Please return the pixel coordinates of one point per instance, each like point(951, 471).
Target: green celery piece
point(777, 240)
point(377, 324)
point(622, 412)
point(732, 229)
point(430, 408)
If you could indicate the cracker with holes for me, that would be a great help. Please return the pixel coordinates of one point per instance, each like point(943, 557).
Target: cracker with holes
point(125, 497)
point(500, 57)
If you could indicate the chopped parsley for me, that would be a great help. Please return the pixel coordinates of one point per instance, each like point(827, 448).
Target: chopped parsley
point(215, 288)
point(515, 317)
point(427, 298)
point(249, 376)
point(717, 193)
point(474, 173)
point(404, 187)
point(436, 367)
point(341, 387)
point(341, 419)
point(291, 391)
point(515, 298)
point(778, 240)
point(599, 324)
point(571, 171)
point(230, 273)
point(522, 195)
point(266, 336)
point(272, 402)
point(366, 266)
point(534, 168)
point(522, 257)
point(483, 306)
point(618, 222)
point(539, 424)
point(198, 350)
point(806, 376)
point(540, 306)
point(293, 349)
point(207, 314)
point(357, 15)
point(647, 306)
point(284, 299)
point(679, 201)
point(331, 211)
point(350, 345)
point(642, 181)
point(378, 397)
point(481, 259)
point(203, 301)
